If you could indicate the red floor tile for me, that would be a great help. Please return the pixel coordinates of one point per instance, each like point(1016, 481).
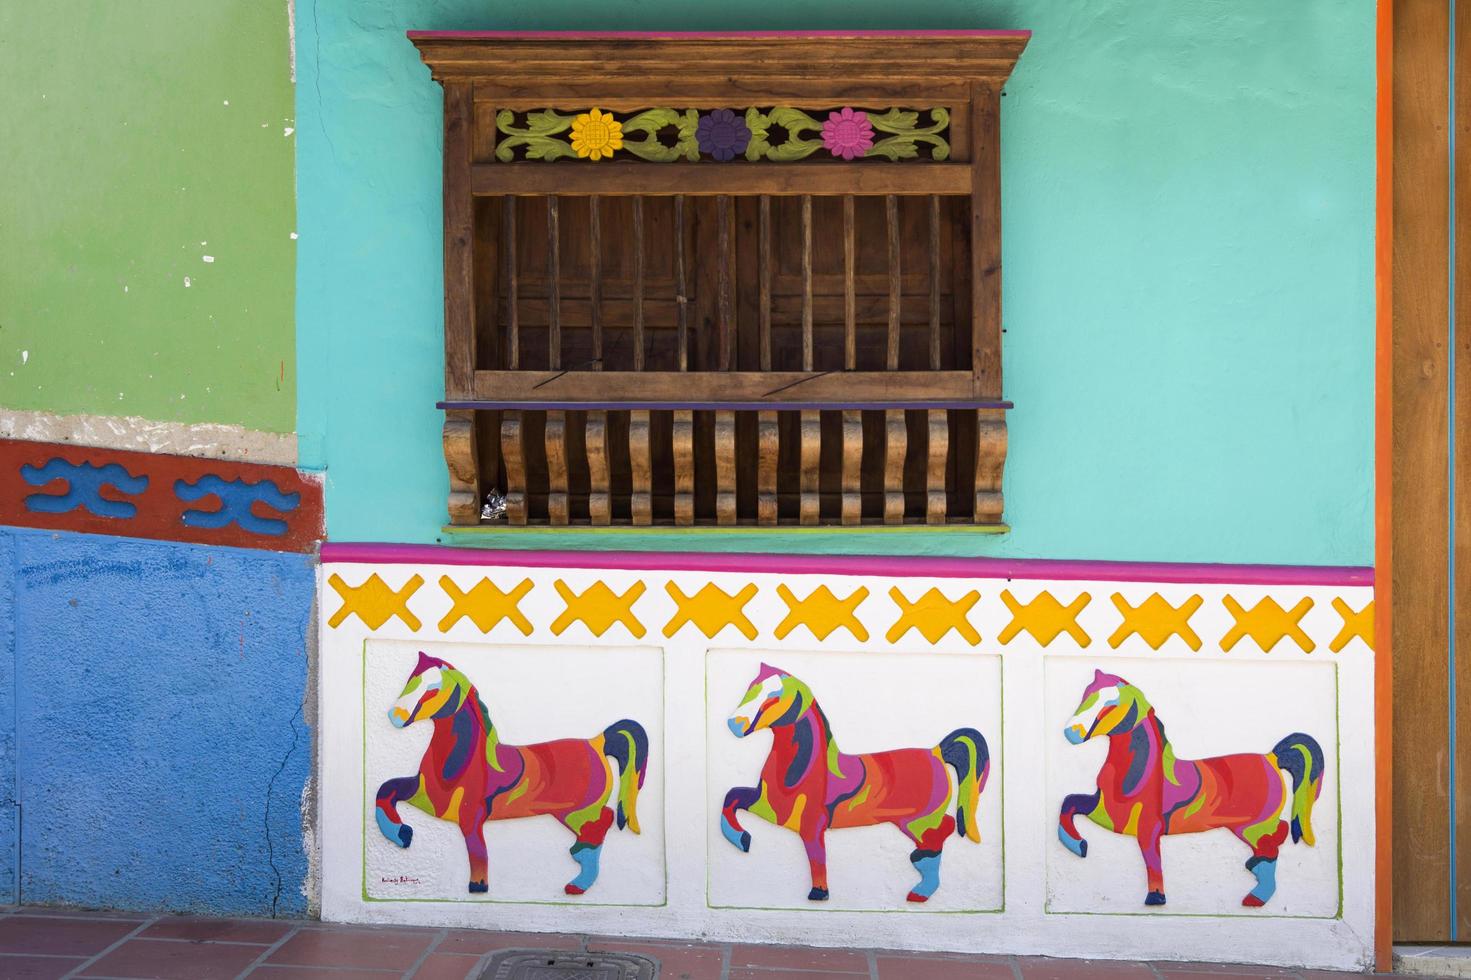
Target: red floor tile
point(314, 973)
point(948, 968)
point(475, 942)
point(784, 974)
point(37, 967)
point(369, 949)
point(677, 961)
point(444, 966)
point(262, 931)
point(799, 958)
point(162, 959)
point(66, 913)
point(1226, 971)
point(1040, 968)
point(63, 937)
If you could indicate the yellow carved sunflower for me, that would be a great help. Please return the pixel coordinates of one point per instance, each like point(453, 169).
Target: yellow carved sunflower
point(596, 135)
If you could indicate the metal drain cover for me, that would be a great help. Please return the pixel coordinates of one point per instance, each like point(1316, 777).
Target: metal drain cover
point(559, 964)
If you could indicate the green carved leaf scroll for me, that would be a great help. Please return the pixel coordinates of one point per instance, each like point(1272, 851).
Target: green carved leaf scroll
point(907, 133)
point(539, 137)
point(795, 147)
point(649, 122)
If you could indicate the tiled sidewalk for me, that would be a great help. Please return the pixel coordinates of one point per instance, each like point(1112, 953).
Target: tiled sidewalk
point(47, 944)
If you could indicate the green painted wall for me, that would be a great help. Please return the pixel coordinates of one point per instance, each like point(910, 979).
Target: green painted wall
point(1188, 192)
point(136, 139)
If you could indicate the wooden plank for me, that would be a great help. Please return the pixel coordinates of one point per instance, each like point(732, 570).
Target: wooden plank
point(595, 278)
point(938, 449)
point(1461, 426)
point(985, 240)
point(513, 305)
point(725, 312)
point(538, 179)
point(810, 449)
point(674, 387)
point(934, 264)
point(725, 468)
point(891, 225)
point(638, 284)
point(684, 468)
point(852, 509)
point(896, 445)
point(639, 453)
point(599, 500)
point(764, 274)
point(519, 93)
point(850, 302)
point(767, 447)
point(1419, 491)
point(459, 241)
point(990, 466)
point(554, 284)
point(513, 456)
point(556, 443)
point(462, 459)
point(807, 283)
point(681, 287)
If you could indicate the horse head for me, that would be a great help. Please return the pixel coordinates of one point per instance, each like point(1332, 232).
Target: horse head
point(434, 690)
point(774, 698)
point(1110, 706)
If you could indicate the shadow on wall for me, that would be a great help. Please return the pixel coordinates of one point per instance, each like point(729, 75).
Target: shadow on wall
point(157, 742)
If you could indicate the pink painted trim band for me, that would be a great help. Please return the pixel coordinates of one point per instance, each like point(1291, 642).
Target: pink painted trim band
point(695, 35)
point(881, 566)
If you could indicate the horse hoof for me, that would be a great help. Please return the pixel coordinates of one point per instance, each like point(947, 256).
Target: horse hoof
point(572, 889)
point(817, 895)
point(479, 887)
point(1075, 844)
point(405, 835)
point(745, 842)
point(917, 897)
point(1252, 902)
point(1154, 898)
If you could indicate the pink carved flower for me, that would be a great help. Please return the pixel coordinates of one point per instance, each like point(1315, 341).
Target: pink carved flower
point(847, 134)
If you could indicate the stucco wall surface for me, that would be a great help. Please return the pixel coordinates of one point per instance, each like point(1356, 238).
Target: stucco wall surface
point(162, 747)
point(146, 224)
point(1188, 304)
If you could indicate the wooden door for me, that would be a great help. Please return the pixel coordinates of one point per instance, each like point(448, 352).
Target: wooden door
point(1430, 482)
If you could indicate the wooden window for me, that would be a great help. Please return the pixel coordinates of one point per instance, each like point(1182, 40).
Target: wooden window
point(723, 279)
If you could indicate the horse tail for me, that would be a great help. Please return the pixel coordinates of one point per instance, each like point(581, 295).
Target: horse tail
point(626, 743)
point(965, 751)
point(1301, 757)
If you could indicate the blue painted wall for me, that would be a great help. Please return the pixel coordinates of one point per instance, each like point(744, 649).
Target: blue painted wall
point(1188, 195)
point(162, 750)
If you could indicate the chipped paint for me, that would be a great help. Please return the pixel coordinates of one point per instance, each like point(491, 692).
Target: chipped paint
point(231, 442)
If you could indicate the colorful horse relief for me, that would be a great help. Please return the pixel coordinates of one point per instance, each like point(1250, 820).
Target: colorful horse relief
point(809, 785)
point(1146, 792)
point(468, 775)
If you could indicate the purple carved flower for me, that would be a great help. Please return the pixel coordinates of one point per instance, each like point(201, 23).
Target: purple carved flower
point(847, 134)
point(722, 134)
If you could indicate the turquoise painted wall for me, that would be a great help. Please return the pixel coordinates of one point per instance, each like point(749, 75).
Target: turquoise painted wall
point(1188, 199)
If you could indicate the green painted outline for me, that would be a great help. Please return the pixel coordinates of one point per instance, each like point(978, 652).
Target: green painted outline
point(724, 531)
point(900, 910)
point(1338, 796)
point(363, 809)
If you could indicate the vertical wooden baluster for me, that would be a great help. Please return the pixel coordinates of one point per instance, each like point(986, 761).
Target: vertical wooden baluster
point(896, 445)
point(595, 279)
point(725, 468)
point(599, 504)
point(684, 467)
point(513, 318)
point(681, 298)
point(461, 457)
point(764, 266)
point(513, 455)
point(556, 442)
point(641, 500)
point(554, 285)
point(985, 238)
point(891, 215)
point(852, 466)
point(810, 451)
point(850, 298)
point(990, 464)
point(934, 282)
point(807, 283)
point(638, 283)
point(939, 446)
point(767, 446)
point(725, 315)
